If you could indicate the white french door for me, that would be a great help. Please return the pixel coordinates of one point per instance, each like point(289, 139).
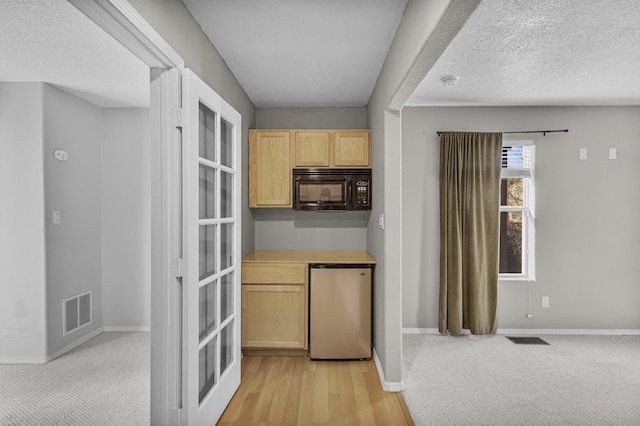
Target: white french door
point(211, 252)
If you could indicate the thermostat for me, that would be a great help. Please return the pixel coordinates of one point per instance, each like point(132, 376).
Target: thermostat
point(61, 155)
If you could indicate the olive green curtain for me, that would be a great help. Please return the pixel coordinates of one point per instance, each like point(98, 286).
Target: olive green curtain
point(469, 231)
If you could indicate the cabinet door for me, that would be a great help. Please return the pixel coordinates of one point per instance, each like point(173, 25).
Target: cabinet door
point(352, 148)
point(311, 148)
point(269, 169)
point(274, 316)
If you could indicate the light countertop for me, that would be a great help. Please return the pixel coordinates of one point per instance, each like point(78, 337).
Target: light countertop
point(310, 256)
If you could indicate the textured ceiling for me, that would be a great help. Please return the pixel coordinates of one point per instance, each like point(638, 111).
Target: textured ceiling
point(510, 52)
point(543, 52)
point(302, 53)
point(53, 42)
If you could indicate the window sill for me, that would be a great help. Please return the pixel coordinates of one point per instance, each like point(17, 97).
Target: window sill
point(503, 278)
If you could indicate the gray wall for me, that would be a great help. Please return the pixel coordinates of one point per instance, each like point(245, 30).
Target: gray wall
point(126, 219)
point(418, 22)
point(312, 118)
point(587, 225)
point(103, 242)
point(74, 247)
point(285, 229)
point(22, 242)
point(174, 23)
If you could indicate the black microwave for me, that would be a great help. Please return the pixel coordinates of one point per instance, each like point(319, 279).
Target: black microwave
point(331, 189)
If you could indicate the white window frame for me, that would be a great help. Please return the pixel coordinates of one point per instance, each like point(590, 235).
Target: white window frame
point(528, 214)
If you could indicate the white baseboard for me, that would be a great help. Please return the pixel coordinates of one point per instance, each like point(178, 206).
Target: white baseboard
point(569, 331)
point(386, 386)
point(412, 330)
point(46, 359)
point(126, 329)
point(75, 344)
point(540, 331)
point(69, 347)
point(23, 360)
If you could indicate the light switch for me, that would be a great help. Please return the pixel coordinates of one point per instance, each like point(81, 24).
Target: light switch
point(583, 153)
point(381, 221)
point(613, 153)
point(57, 217)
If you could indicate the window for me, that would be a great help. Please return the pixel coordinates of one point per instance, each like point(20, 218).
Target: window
point(517, 218)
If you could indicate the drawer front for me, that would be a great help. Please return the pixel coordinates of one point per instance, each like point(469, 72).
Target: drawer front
point(274, 273)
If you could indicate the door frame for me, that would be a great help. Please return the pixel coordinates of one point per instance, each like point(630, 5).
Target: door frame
point(120, 20)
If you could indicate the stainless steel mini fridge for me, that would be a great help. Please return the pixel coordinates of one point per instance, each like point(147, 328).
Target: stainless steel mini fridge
point(340, 311)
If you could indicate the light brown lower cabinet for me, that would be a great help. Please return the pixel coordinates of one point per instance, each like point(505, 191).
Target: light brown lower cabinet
point(274, 306)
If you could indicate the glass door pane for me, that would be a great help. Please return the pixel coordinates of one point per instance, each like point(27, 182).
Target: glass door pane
point(207, 192)
point(226, 347)
point(226, 143)
point(207, 139)
point(226, 245)
point(208, 252)
point(227, 295)
point(207, 368)
point(208, 309)
point(226, 196)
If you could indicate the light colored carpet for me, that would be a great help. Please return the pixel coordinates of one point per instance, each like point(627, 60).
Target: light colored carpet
point(488, 380)
point(104, 381)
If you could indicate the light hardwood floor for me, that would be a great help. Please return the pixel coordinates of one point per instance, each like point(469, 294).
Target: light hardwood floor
point(298, 391)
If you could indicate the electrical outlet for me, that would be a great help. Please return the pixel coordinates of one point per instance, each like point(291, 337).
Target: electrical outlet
point(545, 301)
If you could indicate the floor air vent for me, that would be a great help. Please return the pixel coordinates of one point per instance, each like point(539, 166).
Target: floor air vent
point(527, 340)
point(76, 312)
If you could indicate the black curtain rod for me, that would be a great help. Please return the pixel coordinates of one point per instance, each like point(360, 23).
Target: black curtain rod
point(544, 132)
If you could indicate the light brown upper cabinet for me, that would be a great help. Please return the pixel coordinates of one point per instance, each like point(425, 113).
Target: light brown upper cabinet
point(332, 148)
point(312, 148)
point(269, 168)
point(352, 148)
point(274, 153)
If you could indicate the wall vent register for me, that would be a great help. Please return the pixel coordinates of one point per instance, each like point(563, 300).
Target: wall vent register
point(76, 312)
